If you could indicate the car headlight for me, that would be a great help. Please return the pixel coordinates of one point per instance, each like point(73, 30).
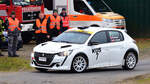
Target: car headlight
point(108, 20)
point(65, 53)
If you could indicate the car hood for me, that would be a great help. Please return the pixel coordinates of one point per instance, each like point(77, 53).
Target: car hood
point(110, 15)
point(55, 47)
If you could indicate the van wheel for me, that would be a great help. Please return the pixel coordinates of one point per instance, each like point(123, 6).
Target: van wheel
point(79, 64)
point(41, 69)
point(130, 61)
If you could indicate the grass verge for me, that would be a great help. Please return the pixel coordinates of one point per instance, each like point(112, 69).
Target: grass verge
point(8, 64)
point(143, 43)
point(143, 79)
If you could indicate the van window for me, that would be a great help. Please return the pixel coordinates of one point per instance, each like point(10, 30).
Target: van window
point(48, 4)
point(98, 5)
point(115, 36)
point(7, 2)
point(100, 38)
point(81, 7)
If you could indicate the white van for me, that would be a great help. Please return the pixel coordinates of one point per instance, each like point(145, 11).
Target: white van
point(87, 13)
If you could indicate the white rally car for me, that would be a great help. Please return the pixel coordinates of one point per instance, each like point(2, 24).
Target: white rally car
point(84, 48)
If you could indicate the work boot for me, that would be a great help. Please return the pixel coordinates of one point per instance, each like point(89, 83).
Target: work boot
point(16, 56)
point(1, 55)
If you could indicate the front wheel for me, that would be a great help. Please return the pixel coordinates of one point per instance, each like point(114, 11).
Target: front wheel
point(130, 61)
point(79, 64)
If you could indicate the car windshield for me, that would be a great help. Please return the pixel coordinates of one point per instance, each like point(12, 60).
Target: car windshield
point(72, 37)
point(27, 2)
point(98, 5)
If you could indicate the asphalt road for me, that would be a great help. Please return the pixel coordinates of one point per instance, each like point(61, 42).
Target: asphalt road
point(94, 76)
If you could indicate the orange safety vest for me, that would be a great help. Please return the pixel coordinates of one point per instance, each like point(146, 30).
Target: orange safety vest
point(13, 24)
point(55, 21)
point(41, 26)
point(65, 21)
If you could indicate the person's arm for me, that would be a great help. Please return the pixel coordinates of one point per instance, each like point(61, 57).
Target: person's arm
point(20, 26)
point(61, 26)
point(48, 26)
point(6, 24)
point(34, 26)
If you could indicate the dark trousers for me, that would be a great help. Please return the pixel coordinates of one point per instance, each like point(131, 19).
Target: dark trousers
point(12, 45)
point(1, 44)
point(53, 33)
point(41, 38)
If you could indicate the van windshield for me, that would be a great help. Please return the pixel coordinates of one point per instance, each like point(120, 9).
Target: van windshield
point(7, 2)
point(98, 5)
point(27, 2)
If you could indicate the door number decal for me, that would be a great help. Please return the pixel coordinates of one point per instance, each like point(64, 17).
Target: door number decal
point(96, 51)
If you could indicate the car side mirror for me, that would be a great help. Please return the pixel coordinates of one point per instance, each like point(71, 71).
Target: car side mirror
point(93, 43)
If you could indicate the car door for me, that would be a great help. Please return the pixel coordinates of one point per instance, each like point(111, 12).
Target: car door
point(116, 47)
point(100, 49)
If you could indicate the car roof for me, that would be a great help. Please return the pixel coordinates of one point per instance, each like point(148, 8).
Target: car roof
point(94, 29)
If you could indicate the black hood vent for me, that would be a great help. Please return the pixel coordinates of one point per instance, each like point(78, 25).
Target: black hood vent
point(66, 46)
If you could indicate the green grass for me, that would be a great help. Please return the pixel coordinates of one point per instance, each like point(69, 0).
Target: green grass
point(143, 43)
point(8, 64)
point(143, 81)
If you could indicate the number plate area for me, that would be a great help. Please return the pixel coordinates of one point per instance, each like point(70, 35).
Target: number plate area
point(43, 59)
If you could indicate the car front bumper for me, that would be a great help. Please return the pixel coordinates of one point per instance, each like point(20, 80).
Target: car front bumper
point(57, 63)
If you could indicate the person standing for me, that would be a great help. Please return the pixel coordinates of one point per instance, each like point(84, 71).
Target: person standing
point(13, 27)
point(55, 24)
point(41, 28)
point(1, 35)
point(65, 20)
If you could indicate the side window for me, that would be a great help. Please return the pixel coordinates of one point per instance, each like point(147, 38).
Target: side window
point(115, 36)
point(100, 38)
point(81, 7)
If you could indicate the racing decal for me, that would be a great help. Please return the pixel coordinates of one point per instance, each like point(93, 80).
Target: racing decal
point(30, 9)
point(83, 31)
point(96, 51)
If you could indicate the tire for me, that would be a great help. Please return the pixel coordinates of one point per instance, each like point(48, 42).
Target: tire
point(41, 69)
point(79, 64)
point(130, 61)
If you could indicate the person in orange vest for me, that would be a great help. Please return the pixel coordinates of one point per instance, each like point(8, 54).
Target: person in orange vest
point(65, 20)
point(14, 29)
point(55, 24)
point(41, 29)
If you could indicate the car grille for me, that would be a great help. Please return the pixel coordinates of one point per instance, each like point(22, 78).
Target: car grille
point(49, 58)
point(30, 16)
